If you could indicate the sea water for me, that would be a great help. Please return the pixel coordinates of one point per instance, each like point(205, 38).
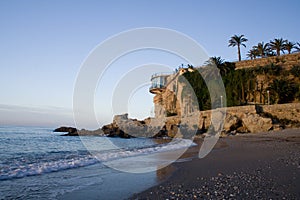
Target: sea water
point(36, 163)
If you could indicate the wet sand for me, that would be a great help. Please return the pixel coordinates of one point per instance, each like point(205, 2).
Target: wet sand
point(249, 166)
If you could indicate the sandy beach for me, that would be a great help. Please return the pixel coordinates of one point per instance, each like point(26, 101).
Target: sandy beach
point(248, 166)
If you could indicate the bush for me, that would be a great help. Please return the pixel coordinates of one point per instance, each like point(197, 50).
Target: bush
point(295, 71)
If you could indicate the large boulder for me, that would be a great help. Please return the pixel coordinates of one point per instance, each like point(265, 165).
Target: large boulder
point(128, 127)
point(232, 123)
point(123, 126)
point(112, 130)
point(255, 123)
point(70, 131)
point(65, 129)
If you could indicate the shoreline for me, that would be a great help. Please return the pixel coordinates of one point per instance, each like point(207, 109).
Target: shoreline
point(263, 165)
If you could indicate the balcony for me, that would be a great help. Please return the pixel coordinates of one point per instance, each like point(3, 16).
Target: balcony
point(159, 82)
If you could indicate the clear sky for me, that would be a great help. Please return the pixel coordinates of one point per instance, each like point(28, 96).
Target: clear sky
point(43, 44)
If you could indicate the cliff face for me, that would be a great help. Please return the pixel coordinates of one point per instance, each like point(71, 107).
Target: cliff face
point(269, 80)
point(175, 104)
point(170, 100)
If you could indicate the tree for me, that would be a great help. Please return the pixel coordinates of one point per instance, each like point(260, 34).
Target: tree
point(238, 85)
point(198, 85)
point(252, 54)
point(298, 46)
point(283, 90)
point(262, 49)
point(289, 46)
point(210, 71)
point(238, 41)
point(224, 67)
point(278, 45)
point(215, 61)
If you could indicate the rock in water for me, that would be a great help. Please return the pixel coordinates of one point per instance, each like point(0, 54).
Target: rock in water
point(69, 130)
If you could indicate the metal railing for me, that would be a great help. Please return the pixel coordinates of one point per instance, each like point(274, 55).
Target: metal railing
point(157, 87)
point(161, 74)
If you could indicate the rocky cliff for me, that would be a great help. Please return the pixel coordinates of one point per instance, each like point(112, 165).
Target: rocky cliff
point(241, 119)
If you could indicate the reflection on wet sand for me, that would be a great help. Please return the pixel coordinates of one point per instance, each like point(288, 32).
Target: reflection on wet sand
point(164, 172)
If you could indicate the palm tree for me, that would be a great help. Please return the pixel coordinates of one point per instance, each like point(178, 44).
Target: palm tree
point(238, 41)
point(298, 46)
point(252, 54)
point(262, 49)
point(278, 45)
point(289, 46)
point(215, 61)
point(211, 71)
point(224, 67)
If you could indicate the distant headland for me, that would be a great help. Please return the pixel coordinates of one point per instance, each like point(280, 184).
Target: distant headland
point(261, 95)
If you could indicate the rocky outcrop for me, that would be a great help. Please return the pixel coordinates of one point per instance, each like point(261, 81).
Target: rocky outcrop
point(255, 123)
point(243, 119)
point(111, 130)
point(84, 132)
point(232, 123)
point(246, 123)
point(253, 119)
point(125, 127)
point(232, 120)
point(70, 131)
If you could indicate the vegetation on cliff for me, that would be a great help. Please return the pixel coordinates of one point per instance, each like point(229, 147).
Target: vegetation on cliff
point(267, 84)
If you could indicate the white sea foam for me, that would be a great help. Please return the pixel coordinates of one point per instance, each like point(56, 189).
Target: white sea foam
point(174, 145)
point(44, 166)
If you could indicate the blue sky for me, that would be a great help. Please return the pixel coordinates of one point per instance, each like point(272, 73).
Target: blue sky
point(44, 43)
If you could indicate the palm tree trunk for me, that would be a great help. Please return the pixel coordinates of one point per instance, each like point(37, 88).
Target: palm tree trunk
point(239, 52)
point(243, 93)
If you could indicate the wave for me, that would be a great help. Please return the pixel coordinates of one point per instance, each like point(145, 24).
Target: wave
point(68, 160)
point(125, 153)
point(38, 168)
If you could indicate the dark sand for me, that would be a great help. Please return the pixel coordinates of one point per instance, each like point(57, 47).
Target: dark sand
point(250, 166)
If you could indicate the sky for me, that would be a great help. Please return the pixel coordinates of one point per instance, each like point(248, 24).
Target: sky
point(43, 45)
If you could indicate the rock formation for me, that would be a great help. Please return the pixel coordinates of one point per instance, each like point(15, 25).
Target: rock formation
point(70, 131)
point(125, 127)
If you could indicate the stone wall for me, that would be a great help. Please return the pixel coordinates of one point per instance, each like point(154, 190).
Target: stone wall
point(289, 111)
point(239, 111)
point(287, 61)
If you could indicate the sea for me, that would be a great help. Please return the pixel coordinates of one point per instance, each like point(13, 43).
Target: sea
point(36, 163)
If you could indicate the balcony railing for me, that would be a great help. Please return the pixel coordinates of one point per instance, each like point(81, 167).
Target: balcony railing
point(161, 74)
point(157, 86)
